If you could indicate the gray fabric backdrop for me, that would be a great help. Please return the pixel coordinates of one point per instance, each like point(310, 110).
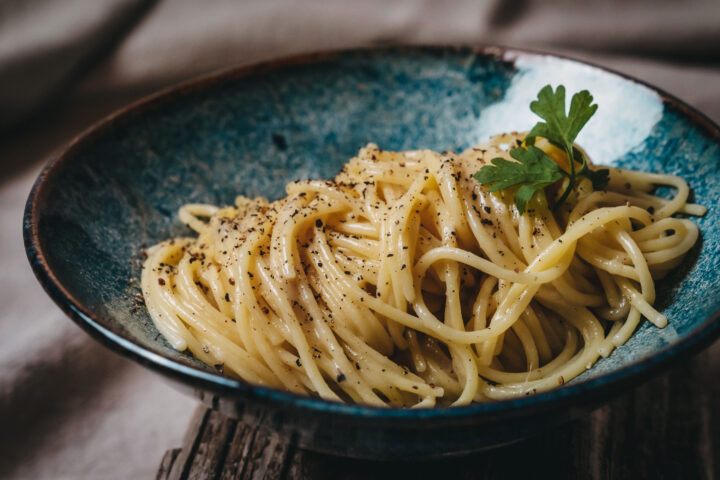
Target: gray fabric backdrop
point(69, 408)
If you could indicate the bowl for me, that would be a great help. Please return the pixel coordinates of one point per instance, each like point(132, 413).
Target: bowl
point(117, 187)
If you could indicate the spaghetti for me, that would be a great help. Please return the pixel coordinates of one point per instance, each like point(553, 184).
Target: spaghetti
point(403, 282)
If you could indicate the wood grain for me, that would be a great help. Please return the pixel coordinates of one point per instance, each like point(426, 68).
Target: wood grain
point(667, 428)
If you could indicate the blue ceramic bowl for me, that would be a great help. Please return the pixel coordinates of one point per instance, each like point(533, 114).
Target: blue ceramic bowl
point(117, 188)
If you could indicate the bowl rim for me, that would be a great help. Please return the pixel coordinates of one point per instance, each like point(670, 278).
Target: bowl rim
point(572, 394)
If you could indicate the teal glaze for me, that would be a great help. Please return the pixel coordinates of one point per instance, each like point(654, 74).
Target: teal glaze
point(249, 131)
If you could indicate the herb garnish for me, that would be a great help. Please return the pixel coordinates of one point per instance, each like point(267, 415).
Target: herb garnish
point(535, 170)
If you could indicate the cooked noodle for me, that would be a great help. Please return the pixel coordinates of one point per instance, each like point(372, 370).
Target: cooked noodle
point(403, 282)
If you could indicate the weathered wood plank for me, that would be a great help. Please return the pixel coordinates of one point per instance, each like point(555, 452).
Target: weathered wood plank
point(213, 444)
point(180, 466)
point(238, 452)
point(257, 453)
point(711, 416)
point(269, 457)
point(666, 428)
point(167, 463)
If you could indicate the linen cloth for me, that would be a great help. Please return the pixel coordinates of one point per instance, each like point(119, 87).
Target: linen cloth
point(69, 408)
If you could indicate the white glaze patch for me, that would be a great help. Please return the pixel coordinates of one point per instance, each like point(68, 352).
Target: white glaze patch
point(626, 115)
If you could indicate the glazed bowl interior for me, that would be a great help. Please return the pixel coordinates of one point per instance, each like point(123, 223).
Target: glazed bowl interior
point(118, 187)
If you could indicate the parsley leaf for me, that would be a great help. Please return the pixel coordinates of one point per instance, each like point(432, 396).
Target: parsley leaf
point(534, 172)
point(561, 129)
point(599, 178)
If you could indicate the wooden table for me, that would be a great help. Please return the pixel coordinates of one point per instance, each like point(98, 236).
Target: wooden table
point(666, 428)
